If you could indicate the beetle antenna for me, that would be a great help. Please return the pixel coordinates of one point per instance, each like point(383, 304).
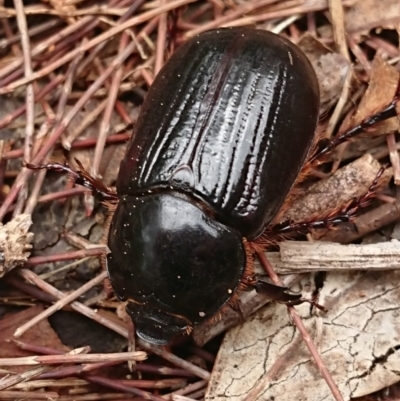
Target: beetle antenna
point(346, 214)
point(81, 177)
point(388, 112)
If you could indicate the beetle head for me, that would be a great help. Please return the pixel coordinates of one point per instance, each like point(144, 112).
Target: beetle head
point(155, 325)
point(173, 263)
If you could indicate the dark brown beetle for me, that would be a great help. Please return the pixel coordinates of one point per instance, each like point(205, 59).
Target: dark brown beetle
point(221, 138)
point(220, 141)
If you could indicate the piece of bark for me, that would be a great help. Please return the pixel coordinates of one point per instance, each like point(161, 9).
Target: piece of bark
point(364, 15)
point(350, 182)
point(303, 257)
point(364, 224)
point(331, 69)
point(15, 243)
point(357, 338)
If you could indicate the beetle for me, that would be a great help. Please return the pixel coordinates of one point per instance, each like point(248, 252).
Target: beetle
point(220, 140)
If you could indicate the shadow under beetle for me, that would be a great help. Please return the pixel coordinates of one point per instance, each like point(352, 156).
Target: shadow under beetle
point(221, 138)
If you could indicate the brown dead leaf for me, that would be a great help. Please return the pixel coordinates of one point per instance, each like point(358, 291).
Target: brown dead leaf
point(15, 243)
point(368, 14)
point(332, 193)
point(41, 334)
point(331, 69)
point(357, 338)
point(380, 93)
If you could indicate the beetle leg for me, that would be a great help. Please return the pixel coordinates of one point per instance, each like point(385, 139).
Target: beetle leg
point(283, 295)
point(81, 177)
point(276, 292)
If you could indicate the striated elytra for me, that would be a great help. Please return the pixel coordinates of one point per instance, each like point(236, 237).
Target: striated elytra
point(220, 140)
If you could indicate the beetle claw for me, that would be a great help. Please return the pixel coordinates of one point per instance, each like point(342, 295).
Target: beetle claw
point(277, 293)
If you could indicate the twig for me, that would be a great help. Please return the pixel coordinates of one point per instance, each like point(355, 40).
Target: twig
point(26, 173)
point(365, 224)
point(305, 256)
point(87, 23)
point(337, 15)
point(28, 395)
point(117, 327)
point(30, 374)
point(161, 41)
point(61, 303)
point(99, 39)
point(88, 119)
point(188, 389)
point(84, 310)
point(359, 54)
point(38, 260)
point(306, 337)
point(29, 96)
point(36, 30)
point(67, 358)
point(109, 108)
point(340, 105)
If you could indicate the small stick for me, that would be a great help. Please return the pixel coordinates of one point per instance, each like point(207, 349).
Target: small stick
point(29, 97)
point(83, 253)
point(340, 105)
point(306, 256)
point(121, 387)
point(82, 144)
point(25, 173)
point(84, 310)
point(28, 395)
point(359, 54)
point(337, 15)
point(161, 41)
point(306, 337)
point(68, 140)
point(28, 71)
point(188, 389)
point(4, 122)
point(176, 397)
point(88, 23)
point(67, 358)
point(99, 39)
point(39, 384)
point(36, 30)
point(30, 374)
point(163, 370)
point(109, 108)
point(118, 327)
point(61, 303)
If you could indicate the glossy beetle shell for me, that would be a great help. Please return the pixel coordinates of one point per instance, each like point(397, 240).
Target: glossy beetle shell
point(229, 119)
point(220, 140)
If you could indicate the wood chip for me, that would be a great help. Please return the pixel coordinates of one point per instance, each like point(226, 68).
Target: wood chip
point(15, 243)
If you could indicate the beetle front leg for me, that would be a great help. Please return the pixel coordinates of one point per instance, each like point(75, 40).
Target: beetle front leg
point(283, 295)
point(276, 292)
